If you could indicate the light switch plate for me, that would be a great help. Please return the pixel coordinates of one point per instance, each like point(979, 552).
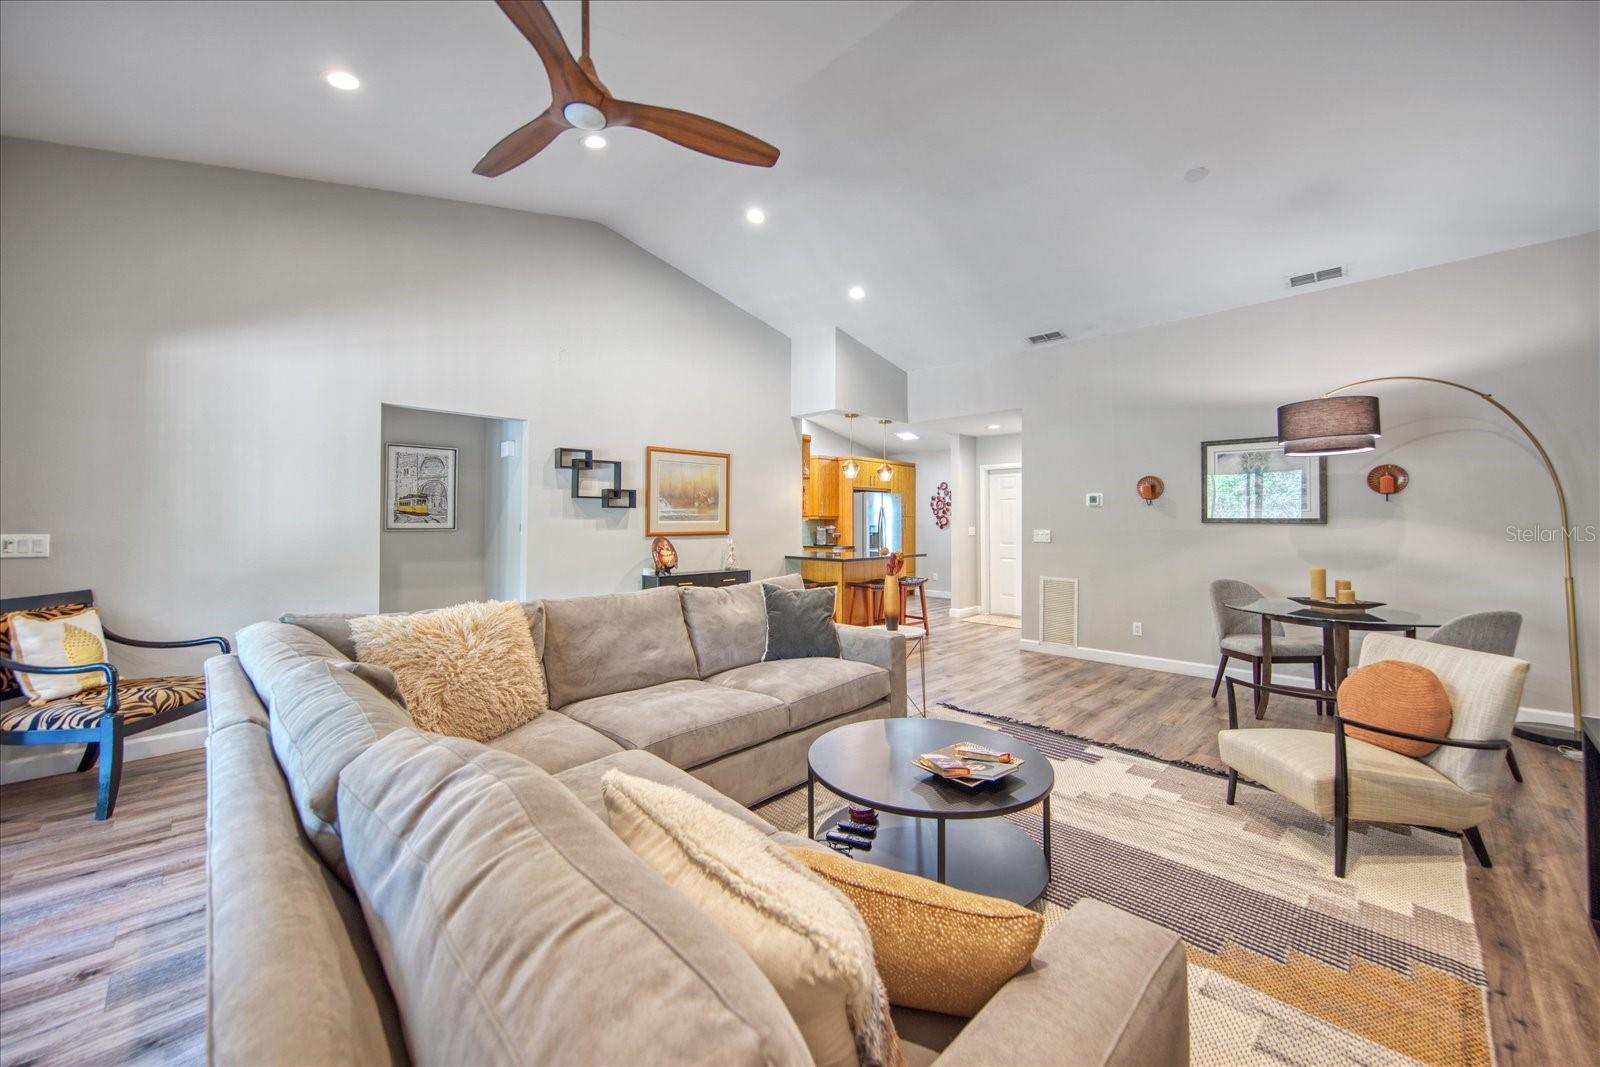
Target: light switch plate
point(1094, 500)
point(972, 531)
point(1041, 537)
point(24, 546)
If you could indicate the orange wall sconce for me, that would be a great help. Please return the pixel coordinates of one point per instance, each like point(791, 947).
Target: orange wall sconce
point(1150, 489)
point(1388, 479)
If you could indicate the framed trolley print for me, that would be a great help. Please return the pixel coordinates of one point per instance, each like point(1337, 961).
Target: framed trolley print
point(419, 487)
point(1250, 480)
point(686, 492)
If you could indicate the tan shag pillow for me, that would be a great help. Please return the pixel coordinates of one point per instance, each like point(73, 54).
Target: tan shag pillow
point(468, 671)
point(804, 934)
point(938, 948)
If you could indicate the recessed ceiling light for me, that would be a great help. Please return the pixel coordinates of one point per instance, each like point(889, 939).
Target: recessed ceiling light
point(342, 79)
point(1196, 174)
point(994, 426)
point(906, 435)
point(755, 216)
point(595, 141)
point(857, 293)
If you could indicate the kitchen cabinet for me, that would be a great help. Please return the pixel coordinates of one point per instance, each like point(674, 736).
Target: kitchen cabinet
point(822, 489)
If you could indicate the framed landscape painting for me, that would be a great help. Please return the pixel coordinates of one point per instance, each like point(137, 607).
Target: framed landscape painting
point(1252, 481)
point(685, 492)
point(419, 487)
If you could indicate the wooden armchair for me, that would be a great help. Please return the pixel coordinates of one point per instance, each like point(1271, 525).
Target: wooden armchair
point(1342, 778)
point(100, 718)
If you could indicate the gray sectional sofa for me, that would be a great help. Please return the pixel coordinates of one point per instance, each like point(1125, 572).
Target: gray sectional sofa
point(668, 684)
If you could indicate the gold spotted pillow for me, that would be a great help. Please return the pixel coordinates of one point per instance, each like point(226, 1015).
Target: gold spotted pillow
point(65, 642)
point(937, 948)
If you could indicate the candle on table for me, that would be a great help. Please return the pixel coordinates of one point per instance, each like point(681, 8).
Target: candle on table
point(1319, 583)
point(1345, 594)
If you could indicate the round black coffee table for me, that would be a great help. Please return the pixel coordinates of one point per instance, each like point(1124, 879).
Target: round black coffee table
point(931, 827)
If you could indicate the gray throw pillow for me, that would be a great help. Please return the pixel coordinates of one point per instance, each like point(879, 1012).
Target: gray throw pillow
point(800, 623)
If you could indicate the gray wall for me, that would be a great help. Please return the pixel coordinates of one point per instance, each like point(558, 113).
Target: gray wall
point(1522, 325)
point(966, 588)
point(1002, 448)
point(932, 468)
point(433, 568)
point(221, 342)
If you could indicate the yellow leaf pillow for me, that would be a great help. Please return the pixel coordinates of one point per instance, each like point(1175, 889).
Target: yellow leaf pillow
point(937, 948)
point(65, 642)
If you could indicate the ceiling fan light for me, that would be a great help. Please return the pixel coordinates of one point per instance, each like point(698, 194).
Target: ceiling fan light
point(342, 80)
point(584, 116)
point(594, 141)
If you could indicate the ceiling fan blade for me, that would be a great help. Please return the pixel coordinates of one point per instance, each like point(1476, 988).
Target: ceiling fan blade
point(567, 79)
point(521, 145)
point(692, 131)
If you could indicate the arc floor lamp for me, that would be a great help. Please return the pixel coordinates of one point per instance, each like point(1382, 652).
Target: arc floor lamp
point(1333, 424)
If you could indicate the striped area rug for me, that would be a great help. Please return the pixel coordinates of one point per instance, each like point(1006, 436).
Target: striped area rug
point(1287, 964)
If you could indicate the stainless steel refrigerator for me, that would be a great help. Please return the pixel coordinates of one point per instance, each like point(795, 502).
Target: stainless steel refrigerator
point(878, 521)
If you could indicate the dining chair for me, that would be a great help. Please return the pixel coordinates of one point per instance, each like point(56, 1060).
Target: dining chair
point(1342, 778)
point(1239, 636)
point(100, 718)
point(1485, 631)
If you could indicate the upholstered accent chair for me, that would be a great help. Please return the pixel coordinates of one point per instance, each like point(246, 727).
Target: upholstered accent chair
point(1485, 631)
point(1342, 778)
point(99, 718)
point(1239, 636)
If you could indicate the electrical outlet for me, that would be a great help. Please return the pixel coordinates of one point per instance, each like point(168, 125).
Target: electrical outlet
point(1138, 629)
point(935, 577)
point(1041, 537)
point(24, 546)
point(1094, 500)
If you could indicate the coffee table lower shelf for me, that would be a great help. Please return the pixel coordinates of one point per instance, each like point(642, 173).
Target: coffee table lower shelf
point(995, 857)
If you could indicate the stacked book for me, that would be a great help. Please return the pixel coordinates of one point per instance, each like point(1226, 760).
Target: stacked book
point(969, 764)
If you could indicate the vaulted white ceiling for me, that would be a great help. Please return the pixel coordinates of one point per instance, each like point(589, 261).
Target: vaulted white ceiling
point(985, 171)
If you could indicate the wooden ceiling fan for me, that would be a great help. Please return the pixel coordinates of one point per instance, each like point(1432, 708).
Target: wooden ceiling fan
point(580, 100)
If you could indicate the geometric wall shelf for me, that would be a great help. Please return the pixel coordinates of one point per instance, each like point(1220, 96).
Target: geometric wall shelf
point(596, 479)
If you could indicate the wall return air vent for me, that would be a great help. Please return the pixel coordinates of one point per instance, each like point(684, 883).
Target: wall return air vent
point(1327, 274)
point(1049, 337)
point(1058, 611)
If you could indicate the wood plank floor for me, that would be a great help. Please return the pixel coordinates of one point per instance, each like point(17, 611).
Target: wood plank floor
point(102, 925)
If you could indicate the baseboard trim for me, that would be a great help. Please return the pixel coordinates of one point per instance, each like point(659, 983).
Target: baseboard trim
point(1209, 670)
point(938, 594)
point(964, 613)
point(21, 764)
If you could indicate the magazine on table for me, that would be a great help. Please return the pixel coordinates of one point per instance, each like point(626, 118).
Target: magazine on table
point(969, 764)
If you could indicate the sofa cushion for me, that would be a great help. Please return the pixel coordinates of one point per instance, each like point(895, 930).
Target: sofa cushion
point(555, 742)
point(268, 649)
point(727, 625)
point(584, 781)
point(800, 623)
point(687, 722)
point(1384, 786)
point(511, 921)
point(322, 718)
point(598, 645)
point(334, 626)
point(814, 689)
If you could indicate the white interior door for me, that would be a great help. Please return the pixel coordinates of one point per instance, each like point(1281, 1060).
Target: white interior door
point(1003, 543)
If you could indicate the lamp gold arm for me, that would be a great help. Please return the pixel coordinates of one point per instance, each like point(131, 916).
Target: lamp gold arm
point(1566, 525)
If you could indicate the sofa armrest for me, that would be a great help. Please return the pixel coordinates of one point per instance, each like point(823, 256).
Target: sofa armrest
point(883, 648)
point(1104, 988)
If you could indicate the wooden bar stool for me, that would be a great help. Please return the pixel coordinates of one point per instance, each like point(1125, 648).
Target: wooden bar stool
point(870, 596)
point(919, 585)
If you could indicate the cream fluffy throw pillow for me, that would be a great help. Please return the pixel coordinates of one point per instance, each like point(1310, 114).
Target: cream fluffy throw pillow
point(806, 937)
point(468, 671)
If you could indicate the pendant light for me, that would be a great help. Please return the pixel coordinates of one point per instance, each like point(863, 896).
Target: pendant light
point(885, 471)
point(851, 468)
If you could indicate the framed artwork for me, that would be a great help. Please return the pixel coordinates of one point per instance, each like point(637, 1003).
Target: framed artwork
point(1251, 481)
point(686, 492)
point(419, 490)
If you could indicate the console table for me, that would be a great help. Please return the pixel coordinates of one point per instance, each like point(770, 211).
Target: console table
point(706, 578)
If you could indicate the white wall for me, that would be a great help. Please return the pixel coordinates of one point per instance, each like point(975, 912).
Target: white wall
point(998, 449)
point(193, 362)
point(966, 587)
point(1522, 325)
point(932, 468)
point(866, 382)
point(420, 569)
point(505, 544)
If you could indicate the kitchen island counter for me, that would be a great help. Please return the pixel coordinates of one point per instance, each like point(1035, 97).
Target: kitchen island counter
point(842, 568)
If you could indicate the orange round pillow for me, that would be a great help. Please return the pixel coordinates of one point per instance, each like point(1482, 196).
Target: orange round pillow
point(1399, 695)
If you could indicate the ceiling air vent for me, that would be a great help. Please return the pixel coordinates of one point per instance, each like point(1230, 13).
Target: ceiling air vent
point(1327, 274)
point(1049, 338)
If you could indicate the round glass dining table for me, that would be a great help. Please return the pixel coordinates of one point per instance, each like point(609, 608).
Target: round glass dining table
point(1335, 626)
